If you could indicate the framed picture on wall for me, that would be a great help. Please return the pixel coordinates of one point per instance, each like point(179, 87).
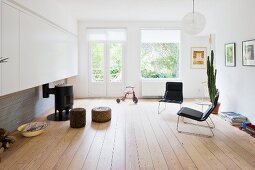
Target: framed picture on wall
point(248, 50)
point(198, 57)
point(230, 55)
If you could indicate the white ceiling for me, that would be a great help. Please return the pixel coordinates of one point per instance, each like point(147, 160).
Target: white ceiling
point(134, 10)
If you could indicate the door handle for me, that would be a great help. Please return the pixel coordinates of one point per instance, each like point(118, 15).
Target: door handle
point(3, 60)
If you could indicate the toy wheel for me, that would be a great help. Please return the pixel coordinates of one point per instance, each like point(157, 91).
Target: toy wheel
point(118, 100)
point(135, 100)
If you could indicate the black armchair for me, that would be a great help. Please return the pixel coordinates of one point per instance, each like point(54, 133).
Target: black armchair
point(189, 113)
point(173, 94)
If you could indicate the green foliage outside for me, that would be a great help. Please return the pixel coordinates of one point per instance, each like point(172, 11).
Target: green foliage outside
point(115, 61)
point(97, 52)
point(160, 60)
point(115, 55)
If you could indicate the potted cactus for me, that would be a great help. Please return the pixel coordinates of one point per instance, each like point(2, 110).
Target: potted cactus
point(211, 75)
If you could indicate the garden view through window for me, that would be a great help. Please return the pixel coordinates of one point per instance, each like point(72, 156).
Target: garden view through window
point(97, 57)
point(115, 61)
point(160, 53)
point(115, 53)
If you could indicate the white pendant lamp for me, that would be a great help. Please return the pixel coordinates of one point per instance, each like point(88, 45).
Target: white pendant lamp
point(193, 22)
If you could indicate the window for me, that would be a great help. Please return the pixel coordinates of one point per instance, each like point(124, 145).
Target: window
point(160, 53)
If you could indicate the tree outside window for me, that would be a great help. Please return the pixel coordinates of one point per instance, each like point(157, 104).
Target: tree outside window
point(160, 60)
point(160, 53)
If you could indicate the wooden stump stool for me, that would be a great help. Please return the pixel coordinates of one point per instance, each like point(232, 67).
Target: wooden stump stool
point(77, 117)
point(101, 114)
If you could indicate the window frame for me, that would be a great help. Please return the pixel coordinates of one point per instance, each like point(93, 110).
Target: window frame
point(180, 59)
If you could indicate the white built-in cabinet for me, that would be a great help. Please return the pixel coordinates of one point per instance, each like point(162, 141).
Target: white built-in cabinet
point(44, 52)
point(39, 52)
point(10, 49)
point(0, 51)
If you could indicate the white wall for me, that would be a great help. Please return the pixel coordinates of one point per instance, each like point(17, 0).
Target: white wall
point(50, 10)
point(192, 78)
point(235, 23)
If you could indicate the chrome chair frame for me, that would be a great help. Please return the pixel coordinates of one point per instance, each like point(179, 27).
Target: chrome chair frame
point(198, 116)
point(197, 134)
point(159, 111)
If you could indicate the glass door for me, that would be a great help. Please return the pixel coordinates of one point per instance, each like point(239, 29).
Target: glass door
point(97, 82)
point(106, 69)
point(115, 83)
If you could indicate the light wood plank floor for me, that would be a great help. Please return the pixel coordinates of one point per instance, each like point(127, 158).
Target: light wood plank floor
point(136, 138)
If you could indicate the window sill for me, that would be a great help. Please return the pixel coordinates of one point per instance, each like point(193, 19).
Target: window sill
point(160, 79)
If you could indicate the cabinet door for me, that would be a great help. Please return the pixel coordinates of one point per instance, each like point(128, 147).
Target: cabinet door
point(10, 49)
point(47, 53)
point(72, 56)
point(38, 59)
point(0, 51)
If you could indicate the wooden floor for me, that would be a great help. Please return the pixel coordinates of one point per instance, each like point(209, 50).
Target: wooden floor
point(136, 138)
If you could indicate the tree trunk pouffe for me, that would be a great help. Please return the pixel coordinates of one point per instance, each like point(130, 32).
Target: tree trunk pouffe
point(77, 117)
point(101, 114)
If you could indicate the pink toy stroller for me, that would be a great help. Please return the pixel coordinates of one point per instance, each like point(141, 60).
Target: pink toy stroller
point(128, 90)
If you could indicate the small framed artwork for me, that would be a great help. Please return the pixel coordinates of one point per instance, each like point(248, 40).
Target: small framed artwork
point(198, 57)
point(248, 50)
point(230, 54)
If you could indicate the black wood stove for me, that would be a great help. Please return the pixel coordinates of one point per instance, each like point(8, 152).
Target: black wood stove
point(63, 101)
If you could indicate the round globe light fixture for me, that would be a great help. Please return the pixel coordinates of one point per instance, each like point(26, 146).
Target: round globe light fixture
point(193, 22)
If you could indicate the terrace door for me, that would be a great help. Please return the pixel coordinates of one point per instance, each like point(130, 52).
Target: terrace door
point(106, 56)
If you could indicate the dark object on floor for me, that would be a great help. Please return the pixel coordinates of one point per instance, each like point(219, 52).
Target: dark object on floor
point(129, 90)
point(77, 117)
point(244, 125)
point(189, 113)
point(101, 114)
point(173, 94)
point(233, 118)
point(248, 127)
point(63, 101)
point(5, 140)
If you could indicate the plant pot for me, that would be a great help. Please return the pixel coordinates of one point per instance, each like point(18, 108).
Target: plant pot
point(216, 109)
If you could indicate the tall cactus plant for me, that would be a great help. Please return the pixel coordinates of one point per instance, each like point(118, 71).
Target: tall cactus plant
point(211, 75)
